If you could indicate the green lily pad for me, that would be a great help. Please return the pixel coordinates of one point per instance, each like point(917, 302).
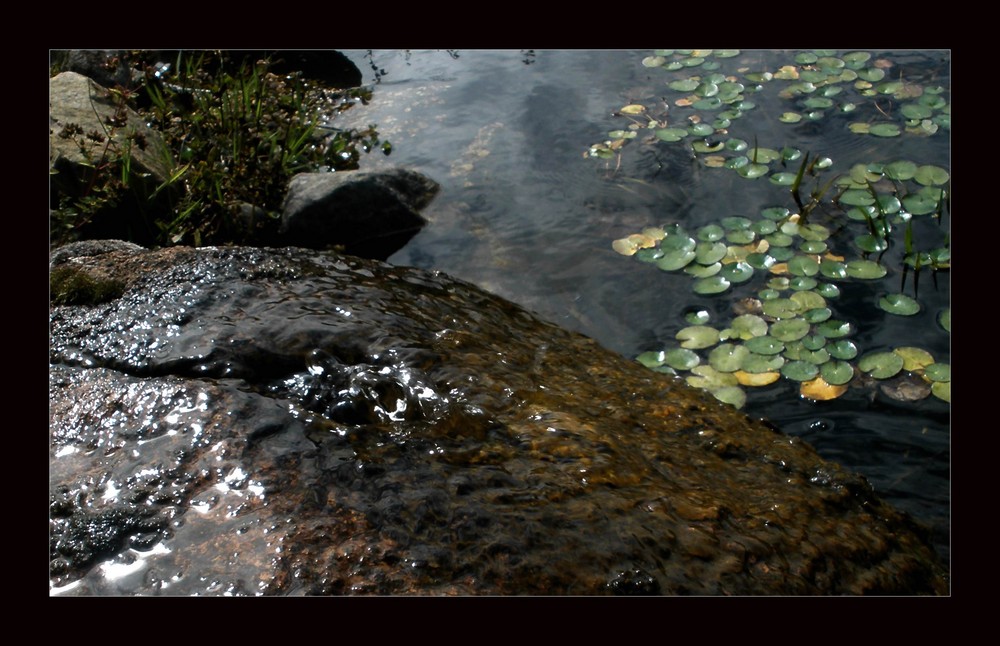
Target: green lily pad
point(775, 212)
point(865, 269)
point(757, 364)
point(813, 247)
point(834, 329)
point(671, 134)
point(649, 255)
point(696, 337)
point(803, 266)
point(931, 175)
point(942, 390)
point(938, 372)
point(701, 129)
point(737, 145)
point(703, 271)
point(781, 308)
point(856, 197)
point(675, 259)
point(764, 345)
point(900, 170)
point(760, 260)
point(836, 373)
point(899, 304)
point(736, 272)
point(752, 171)
point(764, 227)
point(833, 269)
point(732, 395)
point(790, 117)
point(828, 290)
point(871, 244)
point(842, 349)
point(697, 317)
point(802, 283)
point(684, 85)
point(748, 326)
point(781, 254)
point(742, 237)
point(885, 130)
point(703, 147)
point(799, 370)
point(783, 179)
point(711, 285)
point(881, 365)
point(711, 233)
point(817, 315)
point(652, 359)
point(789, 329)
point(808, 300)
point(727, 357)
point(944, 319)
point(707, 378)
point(681, 358)
point(707, 253)
point(920, 203)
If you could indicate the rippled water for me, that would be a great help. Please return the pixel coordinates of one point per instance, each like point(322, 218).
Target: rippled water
point(525, 215)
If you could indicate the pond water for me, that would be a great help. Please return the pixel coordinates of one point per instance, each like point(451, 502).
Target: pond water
point(528, 213)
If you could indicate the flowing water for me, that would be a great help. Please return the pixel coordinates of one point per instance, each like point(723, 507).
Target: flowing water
point(524, 213)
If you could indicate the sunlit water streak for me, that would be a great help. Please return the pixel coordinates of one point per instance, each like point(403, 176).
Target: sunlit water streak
point(522, 213)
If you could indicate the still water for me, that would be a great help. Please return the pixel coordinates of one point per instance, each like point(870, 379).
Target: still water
point(525, 213)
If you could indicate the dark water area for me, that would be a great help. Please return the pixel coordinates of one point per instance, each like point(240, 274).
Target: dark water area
point(524, 213)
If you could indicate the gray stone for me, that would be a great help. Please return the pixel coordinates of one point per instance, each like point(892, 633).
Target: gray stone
point(242, 421)
point(369, 214)
point(76, 99)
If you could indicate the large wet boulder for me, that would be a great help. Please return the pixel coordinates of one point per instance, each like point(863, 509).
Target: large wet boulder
point(247, 421)
point(367, 213)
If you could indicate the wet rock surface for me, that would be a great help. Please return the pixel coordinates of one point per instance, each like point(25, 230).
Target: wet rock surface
point(244, 421)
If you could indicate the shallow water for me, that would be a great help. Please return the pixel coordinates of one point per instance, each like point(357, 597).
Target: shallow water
point(523, 213)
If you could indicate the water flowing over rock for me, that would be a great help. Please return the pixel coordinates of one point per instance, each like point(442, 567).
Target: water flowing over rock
point(286, 422)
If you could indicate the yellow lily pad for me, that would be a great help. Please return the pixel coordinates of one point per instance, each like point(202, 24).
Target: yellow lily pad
point(759, 379)
point(914, 358)
point(818, 390)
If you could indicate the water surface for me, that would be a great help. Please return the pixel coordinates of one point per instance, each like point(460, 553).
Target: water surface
point(525, 214)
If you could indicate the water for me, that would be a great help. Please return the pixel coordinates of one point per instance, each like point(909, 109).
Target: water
point(525, 214)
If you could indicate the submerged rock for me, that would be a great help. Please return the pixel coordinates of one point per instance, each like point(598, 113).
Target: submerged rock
point(246, 421)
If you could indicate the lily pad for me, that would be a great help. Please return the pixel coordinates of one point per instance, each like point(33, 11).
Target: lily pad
point(834, 329)
point(833, 270)
point(756, 379)
point(942, 390)
point(675, 259)
point(696, 337)
point(799, 370)
point(732, 395)
point(837, 373)
point(752, 171)
point(652, 359)
point(819, 389)
point(671, 135)
point(702, 271)
point(808, 300)
point(803, 266)
point(802, 283)
point(711, 285)
point(708, 378)
point(817, 315)
point(938, 372)
point(920, 203)
point(681, 358)
point(900, 170)
point(736, 272)
point(885, 129)
point(765, 345)
point(727, 357)
point(899, 304)
point(914, 358)
point(881, 365)
point(828, 290)
point(789, 329)
point(944, 319)
point(865, 269)
point(842, 349)
point(748, 326)
point(931, 175)
point(711, 233)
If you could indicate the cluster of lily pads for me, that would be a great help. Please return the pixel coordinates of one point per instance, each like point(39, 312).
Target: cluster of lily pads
point(787, 328)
